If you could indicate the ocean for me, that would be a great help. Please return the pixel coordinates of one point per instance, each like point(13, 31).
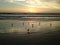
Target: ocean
point(29, 29)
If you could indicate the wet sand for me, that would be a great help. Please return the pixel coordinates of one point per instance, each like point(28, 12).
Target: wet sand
point(43, 33)
point(49, 38)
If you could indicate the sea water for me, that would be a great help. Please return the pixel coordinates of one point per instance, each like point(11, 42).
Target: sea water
point(20, 24)
point(25, 30)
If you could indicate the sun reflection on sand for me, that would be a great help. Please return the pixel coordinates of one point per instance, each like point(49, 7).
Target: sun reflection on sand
point(33, 26)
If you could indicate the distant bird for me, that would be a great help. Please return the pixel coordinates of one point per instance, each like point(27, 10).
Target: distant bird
point(28, 31)
point(39, 23)
point(50, 24)
point(23, 23)
point(32, 25)
point(11, 25)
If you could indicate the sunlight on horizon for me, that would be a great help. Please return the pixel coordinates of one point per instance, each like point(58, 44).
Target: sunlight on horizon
point(30, 6)
point(31, 10)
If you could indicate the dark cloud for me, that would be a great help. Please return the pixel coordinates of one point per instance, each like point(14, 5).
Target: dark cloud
point(58, 1)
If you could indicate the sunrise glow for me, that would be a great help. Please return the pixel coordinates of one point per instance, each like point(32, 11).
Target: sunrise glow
point(31, 10)
point(30, 6)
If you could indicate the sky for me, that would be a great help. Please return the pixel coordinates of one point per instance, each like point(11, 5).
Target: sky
point(32, 6)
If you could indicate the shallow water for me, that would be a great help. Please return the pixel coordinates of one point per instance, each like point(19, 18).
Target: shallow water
point(19, 26)
point(15, 32)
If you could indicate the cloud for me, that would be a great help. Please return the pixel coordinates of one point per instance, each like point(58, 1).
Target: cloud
point(30, 3)
point(52, 1)
point(11, 4)
point(43, 4)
